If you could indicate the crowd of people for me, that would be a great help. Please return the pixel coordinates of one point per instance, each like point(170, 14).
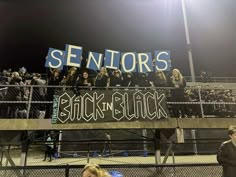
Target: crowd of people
point(18, 82)
point(217, 102)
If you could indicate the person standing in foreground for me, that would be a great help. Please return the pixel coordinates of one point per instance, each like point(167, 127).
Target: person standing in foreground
point(226, 155)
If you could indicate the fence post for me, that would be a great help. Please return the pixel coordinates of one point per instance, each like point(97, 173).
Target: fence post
point(193, 133)
point(157, 146)
point(1, 147)
point(144, 134)
point(88, 153)
point(200, 100)
point(24, 149)
point(59, 144)
point(30, 101)
point(8, 151)
point(67, 170)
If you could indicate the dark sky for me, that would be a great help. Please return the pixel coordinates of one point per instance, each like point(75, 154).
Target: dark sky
point(29, 27)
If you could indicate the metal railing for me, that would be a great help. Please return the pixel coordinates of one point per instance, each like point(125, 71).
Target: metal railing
point(134, 158)
point(212, 79)
point(36, 101)
point(126, 151)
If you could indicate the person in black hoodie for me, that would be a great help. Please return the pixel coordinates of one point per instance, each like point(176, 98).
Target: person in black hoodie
point(226, 155)
point(116, 78)
point(143, 80)
point(128, 80)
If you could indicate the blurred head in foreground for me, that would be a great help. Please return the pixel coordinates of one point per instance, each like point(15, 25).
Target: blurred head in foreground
point(94, 170)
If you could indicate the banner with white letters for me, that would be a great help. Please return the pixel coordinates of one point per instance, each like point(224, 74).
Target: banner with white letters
point(109, 106)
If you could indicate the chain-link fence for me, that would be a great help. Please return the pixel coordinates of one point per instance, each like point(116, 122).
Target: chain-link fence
point(32, 101)
point(181, 170)
point(204, 103)
point(120, 152)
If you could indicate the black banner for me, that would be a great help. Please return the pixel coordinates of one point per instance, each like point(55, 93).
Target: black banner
point(109, 106)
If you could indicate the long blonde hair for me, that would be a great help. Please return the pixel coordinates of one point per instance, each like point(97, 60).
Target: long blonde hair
point(179, 79)
point(95, 170)
point(180, 76)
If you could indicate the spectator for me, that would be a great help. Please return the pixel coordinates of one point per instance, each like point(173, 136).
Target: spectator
point(143, 80)
point(226, 155)
point(22, 72)
point(3, 91)
point(128, 80)
point(159, 79)
point(220, 107)
point(116, 78)
point(205, 76)
point(70, 79)
point(22, 109)
point(210, 97)
point(84, 81)
point(14, 93)
point(94, 170)
point(102, 79)
point(177, 94)
point(53, 80)
point(230, 108)
point(5, 77)
point(192, 109)
point(38, 94)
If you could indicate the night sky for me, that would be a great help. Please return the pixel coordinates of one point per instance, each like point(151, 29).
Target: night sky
point(29, 27)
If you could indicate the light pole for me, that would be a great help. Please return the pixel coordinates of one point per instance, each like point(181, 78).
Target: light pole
point(190, 57)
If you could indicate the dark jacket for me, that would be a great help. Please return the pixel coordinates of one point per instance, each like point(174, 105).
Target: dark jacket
point(178, 92)
point(226, 157)
point(101, 81)
point(15, 93)
point(116, 81)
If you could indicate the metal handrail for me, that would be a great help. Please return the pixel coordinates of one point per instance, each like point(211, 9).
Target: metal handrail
point(200, 100)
